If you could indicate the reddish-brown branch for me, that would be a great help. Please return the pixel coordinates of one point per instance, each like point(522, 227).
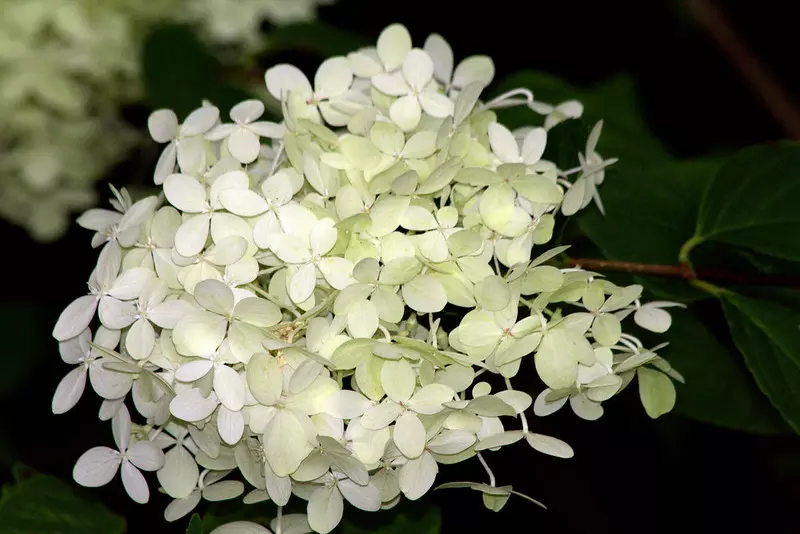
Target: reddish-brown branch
point(686, 273)
point(774, 97)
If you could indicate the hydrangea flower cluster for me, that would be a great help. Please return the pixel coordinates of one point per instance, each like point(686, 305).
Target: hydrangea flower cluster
point(66, 68)
point(329, 307)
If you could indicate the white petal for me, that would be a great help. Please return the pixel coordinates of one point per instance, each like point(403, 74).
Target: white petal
point(533, 146)
point(653, 319)
point(192, 235)
point(168, 313)
point(337, 271)
point(391, 84)
point(191, 371)
point(247, 111)
point(503, 143)
point(333, 77)
point(200, 120)
point(323, 237)
point(418, 69)
point(214, 296)
point(229, 387)
point(141, 339)
point(346, 404)
point(244, 145)
point(134, 483)
point(283, 78)
point(325, 508)
point(442, 55)
point(69, 390)
point(300, 282)
point(162, 125)
point(185, 193)
point(179, 508)
point(382, 415)
point(285, 443)
point(179, 475)
point(474, 69)
point(230, 425)
point(199, 333)
point(145, 455)
point(190, 405)
point(121, 428)
point(394, 43)
point(96, 467)
point(367, 498)
point(243, 202)
point(130, 283)
point(409, 435)
point(75, 318)
point(109, 384)
point(549, 445)
point(242, 527)
point(406, 112)
point(417, 476)
point(166, 163)
point(222, 491)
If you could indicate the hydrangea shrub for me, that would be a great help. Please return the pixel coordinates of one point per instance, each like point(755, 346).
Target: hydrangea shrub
point(327, 308)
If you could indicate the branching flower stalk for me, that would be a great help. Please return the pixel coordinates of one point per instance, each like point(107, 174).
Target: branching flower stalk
point(320, 296)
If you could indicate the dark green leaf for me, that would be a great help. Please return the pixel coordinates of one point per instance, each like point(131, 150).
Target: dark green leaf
point(650, 212)
point(719, 389)
point(179, 72)
point(427, 520)
point(754, 201)
point(42, 504)
point(768, 335)
point(318, 37)
point(565, 141)
point(625, 133)
point(195, 525)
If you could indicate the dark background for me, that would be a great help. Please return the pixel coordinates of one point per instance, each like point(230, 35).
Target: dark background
point(630, 474)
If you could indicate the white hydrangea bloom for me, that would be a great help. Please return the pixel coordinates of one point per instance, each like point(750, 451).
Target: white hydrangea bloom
point(279, 320)
point(66, 69)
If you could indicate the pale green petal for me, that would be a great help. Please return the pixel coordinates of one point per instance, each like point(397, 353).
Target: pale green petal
point(409, 435)
point(425, 294)
point(285, 443)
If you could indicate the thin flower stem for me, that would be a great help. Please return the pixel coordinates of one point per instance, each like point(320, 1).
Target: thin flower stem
point(279, 525)
point(522, 418)
point(505, 98)
point(273, 300)
point(488, 471)
point(685, 272)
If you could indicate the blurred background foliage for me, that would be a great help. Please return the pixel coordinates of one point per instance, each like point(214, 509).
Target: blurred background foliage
point(676, 109)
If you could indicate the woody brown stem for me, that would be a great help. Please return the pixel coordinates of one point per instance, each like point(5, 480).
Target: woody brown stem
point(761, 81)
point(685, 272)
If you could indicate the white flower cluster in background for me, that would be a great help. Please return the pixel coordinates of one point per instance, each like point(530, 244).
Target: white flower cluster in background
point(66, 68)
point(329, 308)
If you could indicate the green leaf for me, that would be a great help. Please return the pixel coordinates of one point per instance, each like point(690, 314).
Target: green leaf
point(650, 213)
point(768, 335)
point(719, 389)
point(179, 72)
point(565, 141)
point(753, 201)
point(195, 525)
point(625, 133)
point(317, 37)
point(413, 518)
point(43, 504)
